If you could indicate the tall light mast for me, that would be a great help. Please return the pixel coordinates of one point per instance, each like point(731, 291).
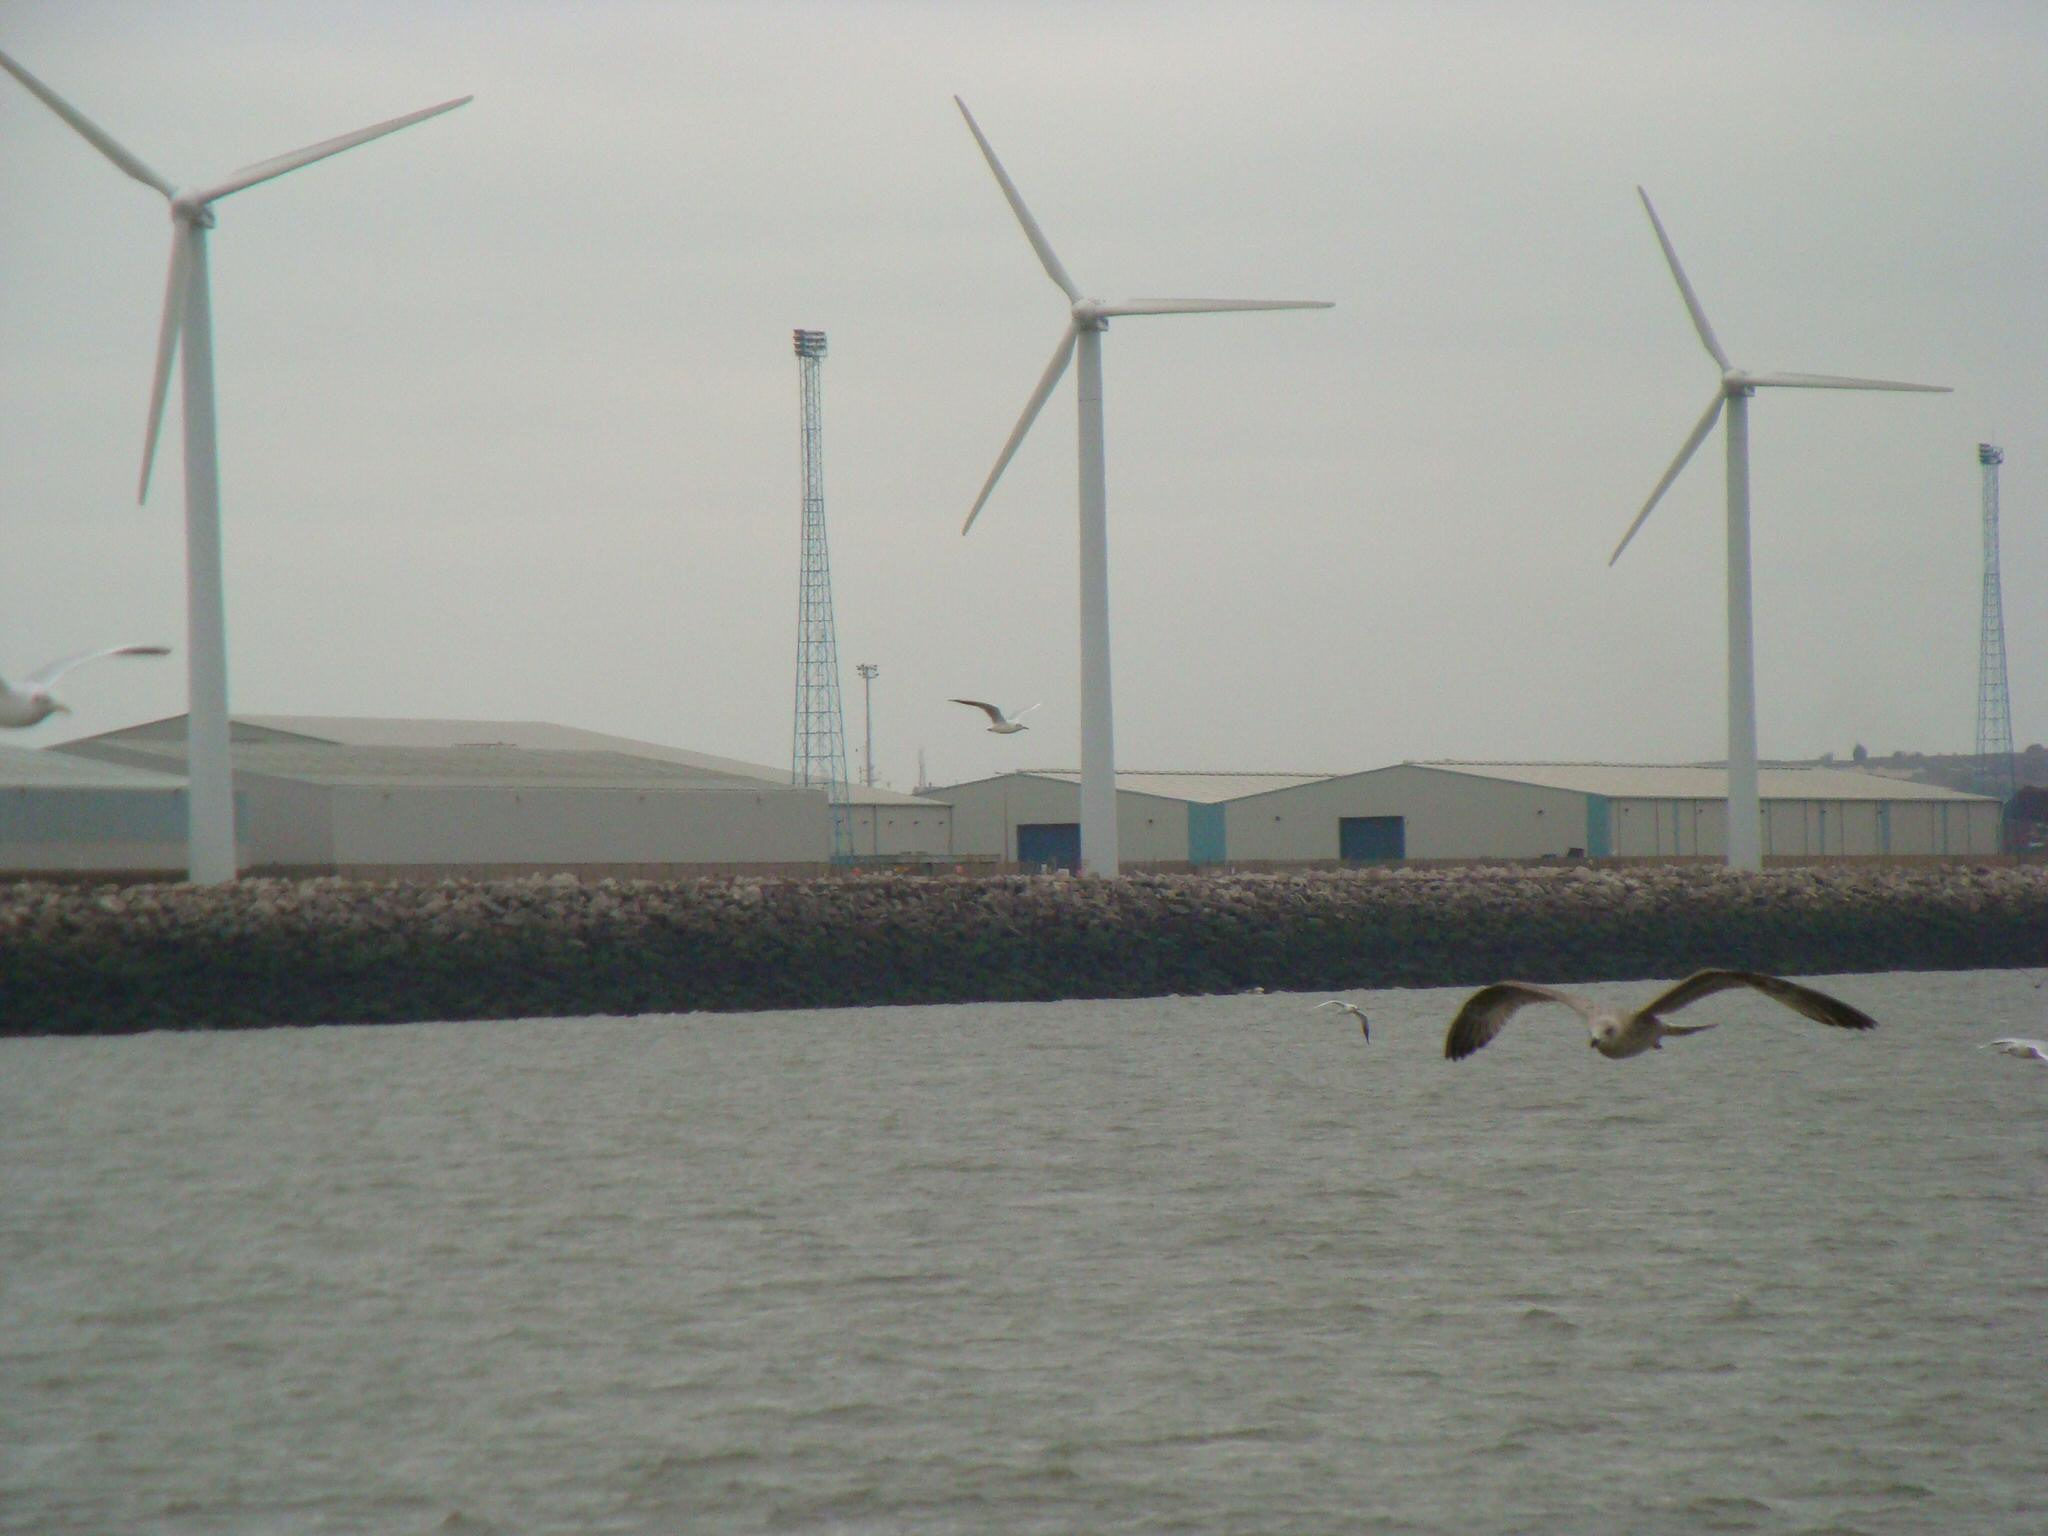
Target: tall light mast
point(819, 754)
point(1994, 701)
point(867, 671)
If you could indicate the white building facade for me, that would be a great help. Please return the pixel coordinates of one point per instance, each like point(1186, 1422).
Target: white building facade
point(1464, 811)
point(1453, 810)
point(425, 799)
point(69, 815)
point(430, 798)
point(1032, 818)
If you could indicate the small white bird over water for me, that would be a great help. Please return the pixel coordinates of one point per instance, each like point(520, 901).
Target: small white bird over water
point(2026, 1050)
point(32, 702)
point(1358, 1013)
point(1618, 1032)
point(1000, 723)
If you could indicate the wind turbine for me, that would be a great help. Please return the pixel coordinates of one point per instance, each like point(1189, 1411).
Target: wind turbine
point(1745, 845)
point(188, 318)
point(1088, 319)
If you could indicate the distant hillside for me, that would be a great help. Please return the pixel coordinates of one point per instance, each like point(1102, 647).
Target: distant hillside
point(1949, 770)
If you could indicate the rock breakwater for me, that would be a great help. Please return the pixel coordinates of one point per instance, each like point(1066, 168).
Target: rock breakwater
point(118, 959)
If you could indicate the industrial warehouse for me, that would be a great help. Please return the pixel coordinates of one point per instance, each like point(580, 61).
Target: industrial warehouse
point(382, 798)
point(1468, 811)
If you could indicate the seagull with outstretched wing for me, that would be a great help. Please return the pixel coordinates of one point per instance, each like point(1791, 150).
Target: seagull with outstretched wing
point(1358, 1013)
point(1000, 723)
point(1618, 1032)
point(2026, 1050)
point(32, 701)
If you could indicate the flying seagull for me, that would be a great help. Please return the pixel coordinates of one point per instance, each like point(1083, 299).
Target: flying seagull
point(1000, 723)
point(1619, 1033)
point(1358, 1013)
point(2026, 1050)
point(31, 702)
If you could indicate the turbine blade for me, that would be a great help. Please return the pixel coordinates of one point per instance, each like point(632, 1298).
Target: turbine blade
point(1692, 443)
point(1032, 232)
point(1692, 302)
point(89, 130)
point(168, 332)
point(1053, 370)
point(1206, 306)
point(1838, 381)
point(277, 165)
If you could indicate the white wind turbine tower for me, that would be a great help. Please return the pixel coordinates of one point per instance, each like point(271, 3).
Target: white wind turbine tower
point(188, 318)
point(1745, 844)
point(1089, 318)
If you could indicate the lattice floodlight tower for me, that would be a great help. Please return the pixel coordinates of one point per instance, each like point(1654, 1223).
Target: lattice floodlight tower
point(819, 754)
point(1994, 702)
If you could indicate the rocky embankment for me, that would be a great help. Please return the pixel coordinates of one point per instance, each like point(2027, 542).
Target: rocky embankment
point(93, 960)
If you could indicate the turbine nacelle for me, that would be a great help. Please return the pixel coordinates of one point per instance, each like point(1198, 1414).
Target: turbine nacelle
point(1080, 337)
point(1736, 383)
point(186, 325)
point(1732, 395)
point(1085, 315)
point(192, 210)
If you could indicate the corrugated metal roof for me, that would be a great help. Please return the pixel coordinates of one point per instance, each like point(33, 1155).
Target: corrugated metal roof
point(1694, 781)
point(1197, 788)
point(48, 768)
point(540, 735)
point(565, 741)
point(316, 762)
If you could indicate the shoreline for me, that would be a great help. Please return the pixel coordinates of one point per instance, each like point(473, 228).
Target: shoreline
point(85, 960)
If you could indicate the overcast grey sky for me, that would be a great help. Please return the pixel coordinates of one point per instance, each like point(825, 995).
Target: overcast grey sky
point(509, 411)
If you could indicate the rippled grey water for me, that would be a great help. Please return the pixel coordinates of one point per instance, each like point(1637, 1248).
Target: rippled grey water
point(1205, 1264)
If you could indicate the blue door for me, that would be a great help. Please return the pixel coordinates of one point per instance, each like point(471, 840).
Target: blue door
point(1049, 845)
point(1361, 839)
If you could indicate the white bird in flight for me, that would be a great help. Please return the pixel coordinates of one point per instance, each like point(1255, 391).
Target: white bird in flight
point(31, 702)
point(2026, 1050)
point(1618, 1032)
point(1358, 1013)
point(1000, 723)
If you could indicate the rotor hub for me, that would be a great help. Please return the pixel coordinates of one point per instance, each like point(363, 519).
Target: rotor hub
point(186, 209)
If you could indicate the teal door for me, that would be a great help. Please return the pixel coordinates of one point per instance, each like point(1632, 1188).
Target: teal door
point(1364, 839)
point(1049, 845)
point(1599, 827)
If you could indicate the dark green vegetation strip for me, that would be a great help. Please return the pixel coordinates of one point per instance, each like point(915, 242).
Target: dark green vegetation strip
point(108, 960)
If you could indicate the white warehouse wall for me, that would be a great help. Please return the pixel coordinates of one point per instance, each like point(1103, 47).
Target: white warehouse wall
point(88, 828)
point(1650, 829)
point(463, 824)
point(912, 830)
point(1447, 815)
point(987, 812)
point(283, 823)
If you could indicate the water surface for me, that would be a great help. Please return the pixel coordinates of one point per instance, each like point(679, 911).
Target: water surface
point(1201, 1264)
